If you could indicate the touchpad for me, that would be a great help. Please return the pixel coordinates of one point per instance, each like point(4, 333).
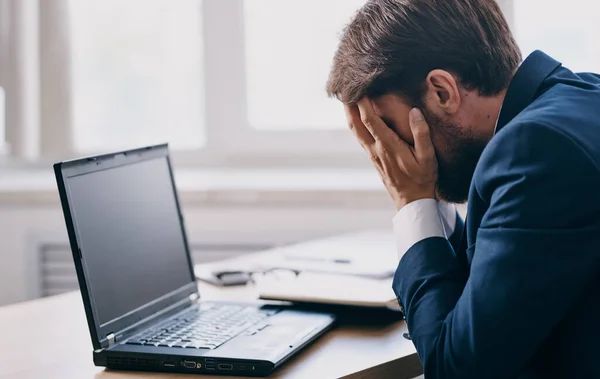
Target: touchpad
point(281, 333)
point(266, 340)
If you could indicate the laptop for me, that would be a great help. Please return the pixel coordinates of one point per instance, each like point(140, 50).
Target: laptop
point(136, 277)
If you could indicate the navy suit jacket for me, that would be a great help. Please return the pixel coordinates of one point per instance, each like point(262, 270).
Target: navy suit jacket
point(518, 295)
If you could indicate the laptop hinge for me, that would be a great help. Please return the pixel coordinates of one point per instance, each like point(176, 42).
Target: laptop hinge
point(111, 339)
point(194, 298)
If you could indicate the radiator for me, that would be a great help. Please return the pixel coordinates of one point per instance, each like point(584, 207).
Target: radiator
point(56, 272)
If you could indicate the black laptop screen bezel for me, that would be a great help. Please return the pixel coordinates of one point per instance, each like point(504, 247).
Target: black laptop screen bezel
point(175, 299)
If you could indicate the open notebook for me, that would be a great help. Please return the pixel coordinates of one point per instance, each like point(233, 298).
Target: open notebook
point(317, 288)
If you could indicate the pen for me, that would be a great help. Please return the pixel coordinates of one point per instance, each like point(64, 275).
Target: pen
point(335, 260)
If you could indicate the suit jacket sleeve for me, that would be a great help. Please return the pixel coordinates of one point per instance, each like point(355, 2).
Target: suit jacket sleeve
point(536, 251)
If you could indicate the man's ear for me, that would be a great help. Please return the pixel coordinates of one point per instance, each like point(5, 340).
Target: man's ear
point(442, 92)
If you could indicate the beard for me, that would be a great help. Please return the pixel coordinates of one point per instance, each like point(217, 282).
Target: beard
point(457, 158)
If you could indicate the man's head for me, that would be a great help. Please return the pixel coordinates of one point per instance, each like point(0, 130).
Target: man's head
point(453, 59)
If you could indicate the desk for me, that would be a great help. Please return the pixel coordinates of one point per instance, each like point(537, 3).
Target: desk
point(49, 339)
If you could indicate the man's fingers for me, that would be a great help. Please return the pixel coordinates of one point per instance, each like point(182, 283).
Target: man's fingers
point(360, 131)
point(420, 129)
point(378, 129)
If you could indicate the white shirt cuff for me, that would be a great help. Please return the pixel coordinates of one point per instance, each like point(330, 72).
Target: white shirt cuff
point(423, 219)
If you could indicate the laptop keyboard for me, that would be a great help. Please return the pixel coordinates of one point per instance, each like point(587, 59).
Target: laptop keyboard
point(206, 327)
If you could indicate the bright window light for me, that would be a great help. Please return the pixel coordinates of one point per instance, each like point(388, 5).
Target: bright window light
point(568, 31)
point(137, 73)
point(289, 50)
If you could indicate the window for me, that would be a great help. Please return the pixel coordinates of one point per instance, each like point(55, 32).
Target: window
point(289, 49)
point(568, 31)
point(137, 73)
point(225, 82)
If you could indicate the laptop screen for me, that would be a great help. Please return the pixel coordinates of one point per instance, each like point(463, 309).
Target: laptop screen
point(130, 235)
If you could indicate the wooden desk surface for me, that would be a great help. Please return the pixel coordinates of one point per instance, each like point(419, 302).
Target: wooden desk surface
point(49, 339)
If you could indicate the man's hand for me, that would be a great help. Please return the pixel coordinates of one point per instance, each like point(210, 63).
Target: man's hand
point(409, 173)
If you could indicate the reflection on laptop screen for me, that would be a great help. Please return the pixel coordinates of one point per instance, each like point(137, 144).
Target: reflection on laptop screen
point(130, 235)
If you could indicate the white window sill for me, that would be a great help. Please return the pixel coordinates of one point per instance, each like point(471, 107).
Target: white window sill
point(339, 186)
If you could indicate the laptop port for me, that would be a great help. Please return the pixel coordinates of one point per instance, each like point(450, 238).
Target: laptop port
point(168, 364)
point(210, 366)
point(225, 366)
point(189, 364)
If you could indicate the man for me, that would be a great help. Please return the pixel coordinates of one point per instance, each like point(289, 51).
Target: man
point(437, 94)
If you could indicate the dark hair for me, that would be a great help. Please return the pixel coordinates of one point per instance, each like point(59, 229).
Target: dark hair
point(391, 45)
